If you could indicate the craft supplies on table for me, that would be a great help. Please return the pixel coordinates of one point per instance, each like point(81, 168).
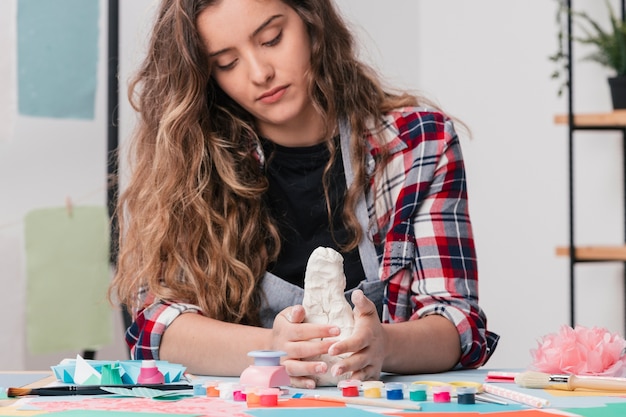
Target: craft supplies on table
point(517, 396)
point(278, 403)
point(149, 373)
point(466, 395)
point(349, 387)
point(442, 394)
point(394, 390)
point(418, 392)
point(81, 371)
point(372, 389)
point(266, 371)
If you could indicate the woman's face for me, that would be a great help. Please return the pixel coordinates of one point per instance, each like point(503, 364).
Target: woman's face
point(260, 54)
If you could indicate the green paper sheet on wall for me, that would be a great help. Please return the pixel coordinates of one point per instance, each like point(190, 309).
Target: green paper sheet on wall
point(68, 273)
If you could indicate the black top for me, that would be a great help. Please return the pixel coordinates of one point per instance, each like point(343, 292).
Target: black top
point(297, 202)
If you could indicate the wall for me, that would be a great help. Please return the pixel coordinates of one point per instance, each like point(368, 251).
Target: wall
point(43, 162)
point(485, 62)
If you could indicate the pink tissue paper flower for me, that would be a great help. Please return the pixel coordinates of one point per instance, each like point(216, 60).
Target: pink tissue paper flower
point(581, 351)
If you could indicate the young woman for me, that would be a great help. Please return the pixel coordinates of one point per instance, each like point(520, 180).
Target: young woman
point(261, 137)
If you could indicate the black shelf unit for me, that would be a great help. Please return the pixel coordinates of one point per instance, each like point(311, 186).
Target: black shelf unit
point(578, 254)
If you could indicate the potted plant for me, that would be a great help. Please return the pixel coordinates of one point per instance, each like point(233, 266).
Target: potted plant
point(609, 44)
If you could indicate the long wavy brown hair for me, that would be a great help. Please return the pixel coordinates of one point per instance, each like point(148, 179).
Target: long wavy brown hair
point(193, 225)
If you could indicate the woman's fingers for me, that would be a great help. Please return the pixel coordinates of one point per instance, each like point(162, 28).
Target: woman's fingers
point(302, 382)
point(366, 345)
point(292, 322)
point(295, 314)
point(363, 306)
point(307, 331)
point(309, 349)
point(368, 373)
point(303, 373)
point(305, 368)
point(366, 320)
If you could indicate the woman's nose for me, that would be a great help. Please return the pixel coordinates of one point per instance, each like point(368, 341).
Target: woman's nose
point(261, 70)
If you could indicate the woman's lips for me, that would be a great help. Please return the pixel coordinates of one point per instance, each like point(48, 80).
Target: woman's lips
point(272, 96)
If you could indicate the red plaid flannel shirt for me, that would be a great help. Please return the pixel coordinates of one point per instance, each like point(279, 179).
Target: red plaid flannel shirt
point(422, 232)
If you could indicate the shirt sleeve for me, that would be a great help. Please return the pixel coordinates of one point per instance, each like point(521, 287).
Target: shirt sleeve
point(429, 259)
point(144, 335)
point(446, 281)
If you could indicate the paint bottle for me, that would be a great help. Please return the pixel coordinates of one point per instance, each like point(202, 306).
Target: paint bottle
point(149, 373)
point(372, 389)
point(239, 393)
point(199, 390)
point(395, 390)
point(418, 392)
point(226, 390)
point(268, 397)
point(441, 394)
point(211, 388)
point(466, 395)
point(349, 387)
point(252, 396)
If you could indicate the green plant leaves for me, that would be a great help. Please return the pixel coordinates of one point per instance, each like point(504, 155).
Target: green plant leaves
point(609, 43)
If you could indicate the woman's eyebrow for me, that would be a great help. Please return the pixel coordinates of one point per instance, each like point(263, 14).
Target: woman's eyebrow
point(256, 32)
point(264, 24)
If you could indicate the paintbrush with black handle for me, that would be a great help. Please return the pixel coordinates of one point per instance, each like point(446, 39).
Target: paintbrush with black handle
point(90, 389)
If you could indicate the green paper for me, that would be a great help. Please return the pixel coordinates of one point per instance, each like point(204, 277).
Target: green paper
point(111, 374)
point(92, 380)
point(609, 410)
point(68, 273)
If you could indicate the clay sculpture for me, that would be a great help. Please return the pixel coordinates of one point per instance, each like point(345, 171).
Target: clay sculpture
point(325, 303)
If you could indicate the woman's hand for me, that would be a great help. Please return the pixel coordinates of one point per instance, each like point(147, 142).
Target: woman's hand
point(300, 341)
point(367, 342)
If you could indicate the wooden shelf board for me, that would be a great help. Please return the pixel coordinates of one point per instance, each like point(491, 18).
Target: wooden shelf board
point(595, 253)
point(614, 118)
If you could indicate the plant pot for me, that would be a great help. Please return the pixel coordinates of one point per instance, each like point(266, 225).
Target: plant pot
point(618, 91)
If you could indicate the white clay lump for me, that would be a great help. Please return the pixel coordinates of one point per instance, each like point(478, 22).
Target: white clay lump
point(325, 303)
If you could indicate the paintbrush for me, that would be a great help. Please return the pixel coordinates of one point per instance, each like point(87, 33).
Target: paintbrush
point(90, 389)
point(533, 379)
point(369, 402)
